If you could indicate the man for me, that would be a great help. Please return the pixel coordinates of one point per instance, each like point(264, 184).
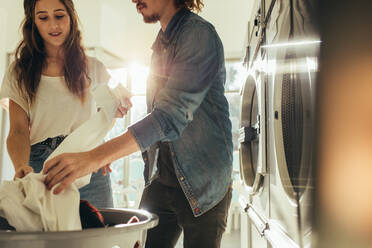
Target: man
point(186, 135)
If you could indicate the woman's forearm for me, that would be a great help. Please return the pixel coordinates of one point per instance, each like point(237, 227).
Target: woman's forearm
point(18, 144)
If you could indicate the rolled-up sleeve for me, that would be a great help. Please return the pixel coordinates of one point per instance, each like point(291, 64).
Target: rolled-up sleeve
point(9, 90)
point(193, 70)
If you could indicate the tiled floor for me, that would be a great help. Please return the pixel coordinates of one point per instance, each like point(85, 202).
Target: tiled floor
point(231, 240)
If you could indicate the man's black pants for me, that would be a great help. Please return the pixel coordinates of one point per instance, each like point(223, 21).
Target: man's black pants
point(175, 216)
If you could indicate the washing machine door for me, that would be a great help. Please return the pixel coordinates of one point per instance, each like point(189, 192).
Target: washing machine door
point(252, 133)
point(293, 121)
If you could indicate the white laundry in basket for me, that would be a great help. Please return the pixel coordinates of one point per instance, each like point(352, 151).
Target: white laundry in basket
point(29, 206)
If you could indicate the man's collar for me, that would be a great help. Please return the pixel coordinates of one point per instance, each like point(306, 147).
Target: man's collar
point(174, 22)
point(165, 37)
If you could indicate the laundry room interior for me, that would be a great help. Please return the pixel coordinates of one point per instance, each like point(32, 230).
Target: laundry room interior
point(185, 123)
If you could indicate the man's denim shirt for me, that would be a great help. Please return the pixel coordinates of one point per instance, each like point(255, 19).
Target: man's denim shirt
point(187, 107)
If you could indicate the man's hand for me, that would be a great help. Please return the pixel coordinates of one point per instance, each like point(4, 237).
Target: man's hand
point(22, 171)
point(68, 167)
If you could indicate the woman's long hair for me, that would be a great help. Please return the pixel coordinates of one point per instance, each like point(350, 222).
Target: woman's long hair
point(194, 5)
point(30, 56)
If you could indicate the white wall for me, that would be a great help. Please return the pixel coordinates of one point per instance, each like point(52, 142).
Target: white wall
point(14, 16)
point(3, 28)
point(125, 33)
point(6, 170)
point(90, 16)
point(3, 18)
point(230, 18)
point(11, 15)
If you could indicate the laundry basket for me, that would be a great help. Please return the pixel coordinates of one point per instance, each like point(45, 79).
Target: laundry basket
point(118, 234)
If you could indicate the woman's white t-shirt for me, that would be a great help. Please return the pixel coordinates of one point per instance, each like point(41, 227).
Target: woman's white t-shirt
point(55, 110)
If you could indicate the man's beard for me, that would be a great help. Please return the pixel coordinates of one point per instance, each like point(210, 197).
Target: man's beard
point(148, 19)
point(151, 19)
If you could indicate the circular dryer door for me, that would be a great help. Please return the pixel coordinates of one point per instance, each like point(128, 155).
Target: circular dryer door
point(250, 134)
point(293, 110)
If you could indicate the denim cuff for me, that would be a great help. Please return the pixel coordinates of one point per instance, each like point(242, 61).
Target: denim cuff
point(146, 132)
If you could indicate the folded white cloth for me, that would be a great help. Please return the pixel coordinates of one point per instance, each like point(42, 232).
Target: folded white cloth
point(29, 206)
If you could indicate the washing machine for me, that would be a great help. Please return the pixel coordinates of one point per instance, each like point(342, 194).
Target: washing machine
point(276, 125)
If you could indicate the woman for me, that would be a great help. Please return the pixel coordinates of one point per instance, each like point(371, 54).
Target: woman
point(49, 90)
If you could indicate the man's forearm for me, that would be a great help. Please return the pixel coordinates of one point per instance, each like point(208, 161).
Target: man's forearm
point(116, 148)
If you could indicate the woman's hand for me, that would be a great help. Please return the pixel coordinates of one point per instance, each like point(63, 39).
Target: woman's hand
point(22, 171)
point(106, 169)
point(123, 108)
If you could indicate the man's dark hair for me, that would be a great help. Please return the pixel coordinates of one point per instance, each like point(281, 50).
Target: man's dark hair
point(193, 5)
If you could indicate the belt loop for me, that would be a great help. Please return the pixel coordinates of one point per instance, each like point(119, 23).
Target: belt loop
point(54, 143)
